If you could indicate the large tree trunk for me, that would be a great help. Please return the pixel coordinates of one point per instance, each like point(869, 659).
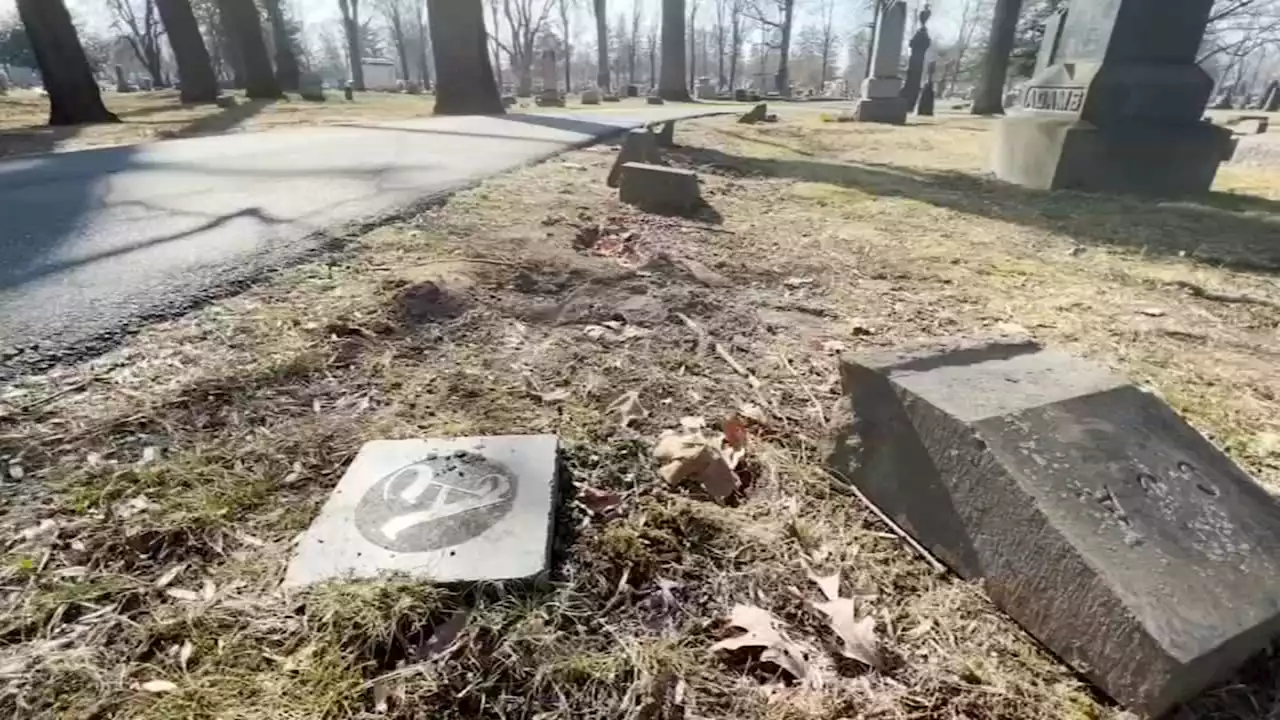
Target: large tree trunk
point(241, 17)
point(74, 96)
point(782, 81)
point(234, 57)
point(989, 96)
point(351, 27)
point(671, 86)
point(602, 45)
point(464, 78)
point(195, 70)
point(287, 71)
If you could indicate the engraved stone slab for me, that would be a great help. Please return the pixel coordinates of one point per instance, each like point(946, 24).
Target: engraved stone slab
point(457, 510)
point(1094, 515)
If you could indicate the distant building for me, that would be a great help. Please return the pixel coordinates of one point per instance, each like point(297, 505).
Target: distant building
point(379, 74)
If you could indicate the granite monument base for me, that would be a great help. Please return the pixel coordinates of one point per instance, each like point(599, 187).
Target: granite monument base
point(892, 110)
point(1056, 153)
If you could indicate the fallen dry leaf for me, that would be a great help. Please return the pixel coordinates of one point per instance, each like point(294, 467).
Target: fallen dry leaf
point(158, 686)
point(184, 595)
point(858, 636)
point(170, 575)
point(688, 454)
point(443, 635)
point(628, 407)
point(828, 584)
point(597, 500)
point(762, 632)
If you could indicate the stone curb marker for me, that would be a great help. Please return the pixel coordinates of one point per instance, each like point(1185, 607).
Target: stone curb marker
point(1095, 517)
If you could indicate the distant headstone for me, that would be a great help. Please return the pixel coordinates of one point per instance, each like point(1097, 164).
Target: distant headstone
point(881, 92)
point(638, 145)
point(654, 100)
point(925, 107)
point(226, 102)
point(146, 84)
point(1271, 98)
point(122, 83)
point(311, 86)
point(508, 100)
point(550, 96)
point(919, 45)
point(611, 98)
point(705, 89)
point(633, 91)
point(590, 97)
point(1120, 108)
point(1094, 516)
point(413, 87)
point(462, 510)
point(659, 189)
point(349, 91)
point(740, 95)
point(1049, 43)
point(755, 114)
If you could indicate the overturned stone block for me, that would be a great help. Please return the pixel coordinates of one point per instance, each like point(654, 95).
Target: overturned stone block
point(1094, 516)
point(755, 114)
point(612, 98)
point(666, 135)
point(659, 189)
point(655, 100)
point(637, 146)
point(446, 510)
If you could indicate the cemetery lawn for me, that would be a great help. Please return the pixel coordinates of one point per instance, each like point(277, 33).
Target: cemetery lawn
point(148, 116)
point(154, 494)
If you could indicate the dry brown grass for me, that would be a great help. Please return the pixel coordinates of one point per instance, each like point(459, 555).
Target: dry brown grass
point(470, 319)
point(148, 116)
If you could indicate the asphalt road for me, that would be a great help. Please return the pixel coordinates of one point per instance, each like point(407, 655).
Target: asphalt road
point(94, 243)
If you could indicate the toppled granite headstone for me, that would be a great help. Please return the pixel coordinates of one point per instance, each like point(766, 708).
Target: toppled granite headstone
point(638, 145)
point(755, 114)
point(458, 510)
point(1094, 516)
point(666, 135)
point(660, 189)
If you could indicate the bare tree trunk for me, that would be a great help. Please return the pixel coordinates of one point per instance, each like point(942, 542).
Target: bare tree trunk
point(736, 47)
point(602, 45)
point(287, 71)
point(989, 96)
point(74, 96)
point(671, 85)
point(195, 70)
point(242, 19)
point(234, 57)
point(464, 78)
point(424, 65)
point(396, 20)
point(351, 26)
point(692, 57)
point(782, 81)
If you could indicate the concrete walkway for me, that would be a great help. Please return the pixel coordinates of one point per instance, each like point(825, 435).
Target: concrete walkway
point(93, 243)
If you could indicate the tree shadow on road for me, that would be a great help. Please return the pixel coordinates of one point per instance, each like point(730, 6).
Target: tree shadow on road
point(1232, 230)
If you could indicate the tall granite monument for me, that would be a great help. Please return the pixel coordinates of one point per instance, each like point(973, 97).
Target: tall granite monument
point(919, 45)
point(1119, 109)
point(882, 92)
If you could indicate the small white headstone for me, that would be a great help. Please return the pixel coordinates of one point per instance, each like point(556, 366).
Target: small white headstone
point(457, 510)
